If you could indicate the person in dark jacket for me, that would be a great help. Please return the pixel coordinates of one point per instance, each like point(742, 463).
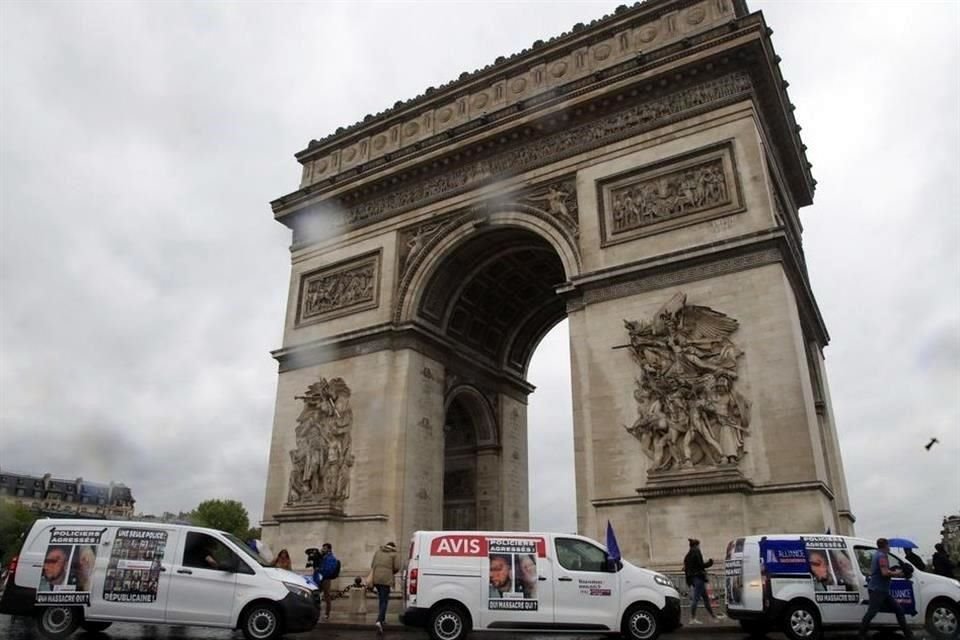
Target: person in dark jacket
point(324, 575)
point(914, 559)
point(942, 566)
point(695, 571)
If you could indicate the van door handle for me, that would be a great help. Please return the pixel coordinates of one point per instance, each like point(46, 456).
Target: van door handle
point(542, 579)
point(565, 579)
point(186, 571)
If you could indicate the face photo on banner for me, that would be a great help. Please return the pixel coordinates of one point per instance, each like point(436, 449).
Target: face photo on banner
point(525, 572)
point(843, 568)
point(820, 570)
point(53, 575)
point(513, 573)
point(501, 574)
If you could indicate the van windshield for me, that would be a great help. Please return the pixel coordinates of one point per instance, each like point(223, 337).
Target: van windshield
point(245, 548)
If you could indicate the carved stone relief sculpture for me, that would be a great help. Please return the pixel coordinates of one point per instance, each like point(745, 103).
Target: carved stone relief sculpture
point(560, 201)
point(342, 288)
point(689, 412)
point(322, 458)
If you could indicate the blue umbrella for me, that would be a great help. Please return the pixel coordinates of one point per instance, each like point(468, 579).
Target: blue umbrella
point(903, 543)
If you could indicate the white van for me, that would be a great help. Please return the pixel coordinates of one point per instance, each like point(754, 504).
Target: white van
point(90, 573)
point(456, 581)
point(803, 584)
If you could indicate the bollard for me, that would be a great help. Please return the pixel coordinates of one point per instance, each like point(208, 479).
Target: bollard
point(358, 597)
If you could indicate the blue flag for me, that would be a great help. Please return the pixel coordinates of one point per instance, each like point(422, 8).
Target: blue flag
point(612, 547)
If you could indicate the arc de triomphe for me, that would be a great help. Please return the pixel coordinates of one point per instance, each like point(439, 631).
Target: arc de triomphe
point(639, 176)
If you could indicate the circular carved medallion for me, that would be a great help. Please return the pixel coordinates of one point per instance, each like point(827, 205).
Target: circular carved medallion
point(647, 34)
point(320, 166)
point(380, 142)
point(480, 100)
point(445, 114)
point(558, 69)
point(696, 15)
point(518, 85)
point(349, 154)
point(602, 52)
point(411, 129)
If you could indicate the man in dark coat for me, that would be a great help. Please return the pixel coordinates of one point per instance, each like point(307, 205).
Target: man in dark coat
point(914, 559)
point(695, 570)
point(942, 566)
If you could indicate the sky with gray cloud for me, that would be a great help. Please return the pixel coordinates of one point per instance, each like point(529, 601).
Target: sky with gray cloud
point(143, 280)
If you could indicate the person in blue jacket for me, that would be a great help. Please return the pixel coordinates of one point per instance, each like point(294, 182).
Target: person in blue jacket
point(326, 573)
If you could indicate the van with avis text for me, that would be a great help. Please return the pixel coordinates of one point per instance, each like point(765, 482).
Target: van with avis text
point(458, 581)
point(803, 584)
point(91, 573)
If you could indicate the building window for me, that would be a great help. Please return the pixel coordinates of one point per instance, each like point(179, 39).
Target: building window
point(38, 494)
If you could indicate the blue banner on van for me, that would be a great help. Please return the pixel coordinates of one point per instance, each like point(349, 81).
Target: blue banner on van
point(784, 556)
point(902, 592)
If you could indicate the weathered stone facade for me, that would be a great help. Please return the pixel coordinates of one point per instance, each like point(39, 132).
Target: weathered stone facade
point(640, 176)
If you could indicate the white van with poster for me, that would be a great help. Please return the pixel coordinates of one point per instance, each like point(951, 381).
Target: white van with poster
point(802, 584)
point(458, 581)
point(91, 573)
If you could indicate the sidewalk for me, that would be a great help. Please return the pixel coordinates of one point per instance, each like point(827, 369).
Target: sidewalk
point(342, 618)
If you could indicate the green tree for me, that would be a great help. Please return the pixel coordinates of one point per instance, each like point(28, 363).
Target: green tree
point(226, 515)
point(15, 521)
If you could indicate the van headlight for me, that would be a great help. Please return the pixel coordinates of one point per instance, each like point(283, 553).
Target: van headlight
point(299, 591)
point(662, 580)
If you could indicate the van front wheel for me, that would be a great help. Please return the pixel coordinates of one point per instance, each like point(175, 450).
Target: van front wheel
point(449, 622)
point(641, 622)
point(801, 622)
point(943, 619)
point(59, 622)
point(260, 622)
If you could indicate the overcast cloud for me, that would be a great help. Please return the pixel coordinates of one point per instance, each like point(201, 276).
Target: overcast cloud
point(143, 279)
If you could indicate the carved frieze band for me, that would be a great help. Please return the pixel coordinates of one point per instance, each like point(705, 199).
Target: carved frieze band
point(696, 187)
point(550, 148)
point(530, 84)
point(339, 289)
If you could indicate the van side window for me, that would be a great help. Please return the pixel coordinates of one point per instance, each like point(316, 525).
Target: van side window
point(577, 555)
point(206, 552)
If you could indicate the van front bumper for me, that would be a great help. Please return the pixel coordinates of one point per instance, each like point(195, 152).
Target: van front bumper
point(299, 614)
point(670, 616)
point(415, 617)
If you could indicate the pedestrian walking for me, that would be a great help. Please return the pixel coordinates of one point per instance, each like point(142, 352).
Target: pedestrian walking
point(326, 573)
point(695, 571)
point(942, 566)
point(879, 589)
point(383, 568)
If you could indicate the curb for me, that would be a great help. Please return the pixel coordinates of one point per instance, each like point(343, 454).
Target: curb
point(394, 628)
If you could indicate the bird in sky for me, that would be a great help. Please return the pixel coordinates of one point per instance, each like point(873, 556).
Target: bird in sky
point(932, 442)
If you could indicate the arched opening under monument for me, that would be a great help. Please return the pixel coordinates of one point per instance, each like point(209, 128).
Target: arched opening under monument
point(494, 296)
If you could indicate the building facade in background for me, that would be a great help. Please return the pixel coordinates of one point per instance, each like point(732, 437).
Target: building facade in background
point(77, 498)
point(640, 176)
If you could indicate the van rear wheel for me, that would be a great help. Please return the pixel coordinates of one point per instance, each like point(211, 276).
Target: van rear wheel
point(449, 622)
point(59, 622)
point(260, 622)
point(641, 622)
point(801, 622)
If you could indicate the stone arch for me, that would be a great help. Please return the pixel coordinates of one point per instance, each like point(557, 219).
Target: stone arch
point(466, 225)
point(480, 409)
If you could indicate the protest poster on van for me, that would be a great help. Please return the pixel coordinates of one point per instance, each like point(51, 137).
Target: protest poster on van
point(513, 573)
point(133, 573)
point(832, 571)
point(67, 572)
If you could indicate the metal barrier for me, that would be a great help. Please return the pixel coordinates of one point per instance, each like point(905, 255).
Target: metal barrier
point(716, 589)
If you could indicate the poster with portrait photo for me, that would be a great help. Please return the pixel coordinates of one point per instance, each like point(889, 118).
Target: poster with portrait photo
point(831, 571)
point(67, 572)
point(513, 574)
point(134, 567)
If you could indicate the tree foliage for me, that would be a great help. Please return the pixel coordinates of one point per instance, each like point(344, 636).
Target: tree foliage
point(15, 521)
point(226, 515)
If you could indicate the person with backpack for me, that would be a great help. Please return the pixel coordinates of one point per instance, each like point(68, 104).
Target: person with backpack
point(383, 568)
point(326, 573)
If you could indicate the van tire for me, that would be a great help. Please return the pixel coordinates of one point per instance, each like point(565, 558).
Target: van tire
point(943, 619)
point(449, 621)
point(801, 621)
point(260, 621)
point(94, 627)
point(641, 622)
point(58, 622)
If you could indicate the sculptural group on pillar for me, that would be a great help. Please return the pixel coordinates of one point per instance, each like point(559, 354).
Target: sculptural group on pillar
point(689, 411)
point(322, 458)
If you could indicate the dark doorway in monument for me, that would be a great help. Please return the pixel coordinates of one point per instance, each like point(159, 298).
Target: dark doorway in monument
point(492, 296)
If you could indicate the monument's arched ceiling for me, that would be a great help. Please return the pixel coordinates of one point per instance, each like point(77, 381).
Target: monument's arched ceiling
point(496, 295)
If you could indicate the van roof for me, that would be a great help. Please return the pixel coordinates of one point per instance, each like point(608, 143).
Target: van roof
point(81, 522)
point(794, 536)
